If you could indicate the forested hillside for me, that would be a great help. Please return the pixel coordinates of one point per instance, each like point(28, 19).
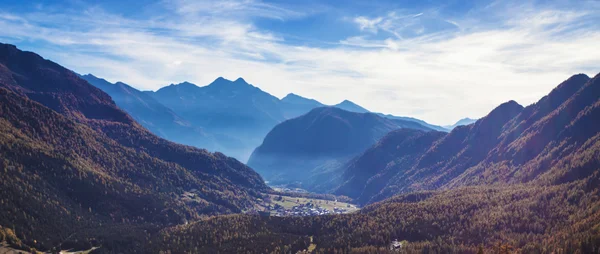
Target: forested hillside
point(561, 218)
point(512, 144)
point(72, 161)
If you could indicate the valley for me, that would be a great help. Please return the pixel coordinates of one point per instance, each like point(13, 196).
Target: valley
point(102, 167)
point(282, 205)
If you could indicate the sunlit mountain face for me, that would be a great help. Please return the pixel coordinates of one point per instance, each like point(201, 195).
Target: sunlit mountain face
point(269, 126)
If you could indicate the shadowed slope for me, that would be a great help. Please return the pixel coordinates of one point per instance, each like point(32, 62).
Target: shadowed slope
point(512, 144)
point(71, 160)
point(315, 145)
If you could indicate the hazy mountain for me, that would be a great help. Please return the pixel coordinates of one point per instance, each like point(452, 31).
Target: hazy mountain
point(154, 116)
point(231, 108)
point(76, 167)
point(303, 105)
point(311, 148)
point(411, 119)
point(351, 106)
point(226, 116)
point(293, 105)
point(461, 122)
point(511, 144)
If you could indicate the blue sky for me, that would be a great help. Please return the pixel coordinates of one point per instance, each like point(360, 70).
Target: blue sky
point(435, 60)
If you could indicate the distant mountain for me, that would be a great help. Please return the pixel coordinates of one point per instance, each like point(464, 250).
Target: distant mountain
point(511, 144)
point(154, 116)
point(231, 108)
point(311, 148)
point(421, 122)
point(293, 105)
point(351, 106)
point(75, 167)
point(461, 122)
point(227, 116)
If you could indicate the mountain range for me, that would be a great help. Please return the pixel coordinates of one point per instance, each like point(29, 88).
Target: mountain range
point(232, 117)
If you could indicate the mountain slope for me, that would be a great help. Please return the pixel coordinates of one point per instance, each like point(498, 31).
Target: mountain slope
point(72, 160)
point(229, 108)
point(351, 106)
point(312, 147)
point(373, 168)
point(415, 120)
point(461, 122)
point(512, 144)
point(153, 115)
point(293, 105)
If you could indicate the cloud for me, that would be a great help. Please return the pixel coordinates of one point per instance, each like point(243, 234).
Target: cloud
point(371, 25)
point(233, 8)
point(498, 54)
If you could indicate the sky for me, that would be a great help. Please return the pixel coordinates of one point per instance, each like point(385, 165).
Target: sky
point(435, 60)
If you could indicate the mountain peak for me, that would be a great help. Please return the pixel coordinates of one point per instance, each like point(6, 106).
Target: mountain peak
point(465, 121)
point(508, 107)
point(501, 114)
point(220, 81)
point(185, 83)
point(461, 122)
point(567, 88)
point(89, 75)
point(291, 95)
point(351, 106)
point(240, 80)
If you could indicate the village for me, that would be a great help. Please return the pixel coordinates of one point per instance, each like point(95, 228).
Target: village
point(307, 209)
point(288, 206)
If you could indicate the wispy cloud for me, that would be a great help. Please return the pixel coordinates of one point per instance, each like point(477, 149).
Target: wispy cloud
point(371, 25)
point(233, 8)
point(440, 74)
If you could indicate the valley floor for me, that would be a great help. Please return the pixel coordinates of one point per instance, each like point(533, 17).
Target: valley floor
point(281, 205)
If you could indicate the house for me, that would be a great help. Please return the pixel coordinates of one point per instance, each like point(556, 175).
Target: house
point(396, 246)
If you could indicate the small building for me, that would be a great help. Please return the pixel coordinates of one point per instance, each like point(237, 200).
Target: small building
point(396, 246)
